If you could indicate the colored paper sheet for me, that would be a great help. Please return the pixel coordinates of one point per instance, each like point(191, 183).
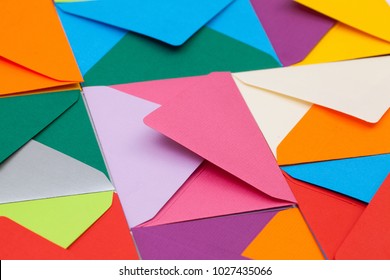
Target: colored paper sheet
point(201, 117)
point(323, 134)
point(220, 238)
point(37, 171)
point(207, 51)
point(345, 176)
point(372, 17)
point(239, 21)
point(369, 238)
point(147, 168)
point(107, 239)
point(330, 216)
point(343, 42)
point(170, 21)
point(285, 237)
point(61, 220)
point(212, 192)
point(350, 90)
point(293, 30)
point(36, 67)
point(89, 40)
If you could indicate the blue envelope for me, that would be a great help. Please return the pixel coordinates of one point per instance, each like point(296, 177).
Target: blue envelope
point(359, 177)
point(91, 40)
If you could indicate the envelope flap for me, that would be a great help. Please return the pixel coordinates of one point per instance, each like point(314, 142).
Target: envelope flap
point(25, 116)
point(32, 37)
point(61, 220)
point(212, 120)
point(358, 87)
point(172, 21)
point(372, 16)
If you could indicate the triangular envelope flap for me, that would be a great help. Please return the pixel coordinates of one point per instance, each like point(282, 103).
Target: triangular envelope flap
point(37, 171)
point(329, 215)
point(357, 87)
point(212, 120)
point(216, 238)
point(172, 21)
point(372, 17)
point(23, 117)
point(155, 165)
point(32, 37)
point(62, 219)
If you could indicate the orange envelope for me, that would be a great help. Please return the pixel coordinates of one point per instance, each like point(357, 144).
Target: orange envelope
point(330, 215)
point(34, 51)
point(324, 134)
point(285, 237)
point(369, 238)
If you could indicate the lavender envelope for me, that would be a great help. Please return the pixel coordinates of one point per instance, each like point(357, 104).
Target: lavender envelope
point(146, 167)
point(220, 238)
point(293, 29)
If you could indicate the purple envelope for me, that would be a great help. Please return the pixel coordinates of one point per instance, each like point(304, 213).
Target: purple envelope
point(293, 29)
point(221, 238)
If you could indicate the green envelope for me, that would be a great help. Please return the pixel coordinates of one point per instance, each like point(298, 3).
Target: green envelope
point(50, 152)
point(136, 58)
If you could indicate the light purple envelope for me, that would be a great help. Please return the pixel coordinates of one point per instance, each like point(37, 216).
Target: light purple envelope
point(146, 167)
point(293, 29)
point(220, 238)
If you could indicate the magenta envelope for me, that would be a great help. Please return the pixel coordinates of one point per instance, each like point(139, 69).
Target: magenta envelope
point(212, 119)
point(293, 29)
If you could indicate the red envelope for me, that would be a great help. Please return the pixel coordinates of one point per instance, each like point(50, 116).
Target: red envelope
point(369, 238)
point(108, 239)
point(330, 215)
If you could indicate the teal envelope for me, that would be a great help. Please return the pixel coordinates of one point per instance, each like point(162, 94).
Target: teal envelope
point(136, 58)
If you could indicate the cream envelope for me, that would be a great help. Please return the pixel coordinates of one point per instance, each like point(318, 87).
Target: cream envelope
point(34, 51)
point(279, 98)
point(372, 17)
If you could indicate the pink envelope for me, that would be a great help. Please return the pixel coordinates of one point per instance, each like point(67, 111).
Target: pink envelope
point(208, 189)
point(212, 119)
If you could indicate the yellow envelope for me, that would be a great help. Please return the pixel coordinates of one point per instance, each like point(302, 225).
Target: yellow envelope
point(372, 17)
point(344, 42)
point(34, 51)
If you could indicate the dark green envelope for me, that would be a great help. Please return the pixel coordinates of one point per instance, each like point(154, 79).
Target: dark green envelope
point(58, 120)
point(137, 58)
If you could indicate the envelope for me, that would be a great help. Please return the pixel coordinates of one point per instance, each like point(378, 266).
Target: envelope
point(329, 215)
point(91, 40)
point(293, 30)
point(285, 237)
point(371, 17)
point(109, 238)
point(345, 175)
point(205, 52)
point(368, 239)
point(343, 42)
point(219, 238)
point(35, 66)
point(49, 142)
point(172, 22)
point(201, 119)
point(146, 167)
point(283, 110)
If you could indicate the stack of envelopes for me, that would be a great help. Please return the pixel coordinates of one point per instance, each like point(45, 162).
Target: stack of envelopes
point(227, 129)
